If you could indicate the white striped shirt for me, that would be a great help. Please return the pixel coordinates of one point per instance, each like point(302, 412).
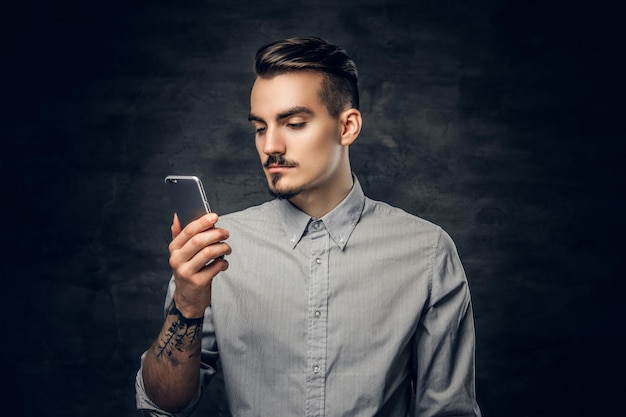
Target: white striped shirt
point(363, 312)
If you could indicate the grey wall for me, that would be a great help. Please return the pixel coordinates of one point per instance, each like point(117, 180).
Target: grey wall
point(499, 120)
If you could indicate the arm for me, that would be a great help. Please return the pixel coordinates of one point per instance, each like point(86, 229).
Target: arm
point(445, 341)
point(171, 367)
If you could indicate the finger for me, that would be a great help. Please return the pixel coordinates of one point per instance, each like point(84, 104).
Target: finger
point(203, 223)
point(207, 256)
point(195, 244)
point(199, 250)
point(215, 267)
point(175, 226)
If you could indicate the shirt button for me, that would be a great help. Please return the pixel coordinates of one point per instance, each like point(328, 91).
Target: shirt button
point(317, 314)
point(318, 261)
point(316, 369)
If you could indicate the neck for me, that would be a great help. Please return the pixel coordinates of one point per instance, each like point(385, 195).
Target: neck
point(316, 202)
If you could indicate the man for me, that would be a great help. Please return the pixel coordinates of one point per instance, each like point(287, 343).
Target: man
point(327, 303)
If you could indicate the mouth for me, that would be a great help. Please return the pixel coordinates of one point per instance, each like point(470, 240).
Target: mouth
point(275, 168)
point(278, 164)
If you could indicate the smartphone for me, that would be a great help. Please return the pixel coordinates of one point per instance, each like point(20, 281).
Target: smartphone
point(187, 197)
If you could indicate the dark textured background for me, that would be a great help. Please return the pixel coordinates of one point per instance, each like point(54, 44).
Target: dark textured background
point(499, 120)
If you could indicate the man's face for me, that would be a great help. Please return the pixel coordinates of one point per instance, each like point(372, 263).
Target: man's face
point(296, 138)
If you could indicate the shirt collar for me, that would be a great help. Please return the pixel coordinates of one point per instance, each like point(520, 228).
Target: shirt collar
point(340, 221)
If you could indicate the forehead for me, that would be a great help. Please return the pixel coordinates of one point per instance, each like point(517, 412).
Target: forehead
point(271, 96)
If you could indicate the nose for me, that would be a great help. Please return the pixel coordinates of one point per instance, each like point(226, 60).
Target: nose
point(273, 142)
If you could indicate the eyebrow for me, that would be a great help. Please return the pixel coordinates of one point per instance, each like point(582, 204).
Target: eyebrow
point(284, 115)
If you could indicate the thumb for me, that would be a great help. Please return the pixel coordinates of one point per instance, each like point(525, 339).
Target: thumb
point(176, 229)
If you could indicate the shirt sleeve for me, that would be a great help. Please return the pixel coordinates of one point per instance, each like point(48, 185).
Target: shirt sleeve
point(445, 341)
point(208, 367)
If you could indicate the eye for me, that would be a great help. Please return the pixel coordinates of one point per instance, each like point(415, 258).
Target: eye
point(259, 130)
point(296, 125)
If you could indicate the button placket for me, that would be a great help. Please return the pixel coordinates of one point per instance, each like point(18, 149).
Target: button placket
point(317, 326)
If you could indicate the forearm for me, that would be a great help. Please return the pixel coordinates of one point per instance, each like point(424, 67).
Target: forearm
point(172, 364)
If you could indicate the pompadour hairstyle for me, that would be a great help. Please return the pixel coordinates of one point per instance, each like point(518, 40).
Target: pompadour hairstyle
point(339, 89)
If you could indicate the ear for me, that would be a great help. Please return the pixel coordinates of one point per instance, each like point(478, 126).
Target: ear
point(350, 126)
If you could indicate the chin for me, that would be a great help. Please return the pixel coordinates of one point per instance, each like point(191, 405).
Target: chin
point(282, 192)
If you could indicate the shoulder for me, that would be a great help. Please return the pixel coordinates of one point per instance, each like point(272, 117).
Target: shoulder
point(265, 214)
point(380, 211)
point(396, 228)
point(399, 222)
point(251, 212)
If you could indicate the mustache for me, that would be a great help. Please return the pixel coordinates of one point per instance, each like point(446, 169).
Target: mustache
point(280, 161)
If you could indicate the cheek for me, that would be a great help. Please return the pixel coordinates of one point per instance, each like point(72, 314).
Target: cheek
point(323, 158)
point(323, 145)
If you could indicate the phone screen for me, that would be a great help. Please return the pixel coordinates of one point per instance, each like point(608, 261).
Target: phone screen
point(187, 197)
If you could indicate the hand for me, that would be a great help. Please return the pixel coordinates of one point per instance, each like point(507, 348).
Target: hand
point(196, 258)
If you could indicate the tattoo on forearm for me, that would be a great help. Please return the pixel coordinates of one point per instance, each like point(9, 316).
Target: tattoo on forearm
point(180, 336)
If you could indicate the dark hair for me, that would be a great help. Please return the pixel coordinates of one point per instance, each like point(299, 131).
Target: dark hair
point(339, 75)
